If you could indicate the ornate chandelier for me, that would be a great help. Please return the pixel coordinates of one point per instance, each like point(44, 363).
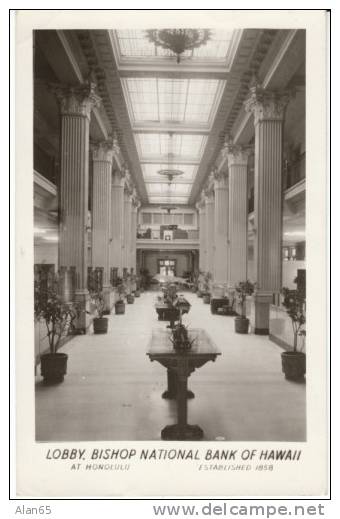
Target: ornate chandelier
point(170, 172)
point(178, 40)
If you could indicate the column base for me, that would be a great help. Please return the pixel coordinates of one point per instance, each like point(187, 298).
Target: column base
point(107, 299)
point(84, 319)
point(170, 395)
point(259, 315)
point(188, 432)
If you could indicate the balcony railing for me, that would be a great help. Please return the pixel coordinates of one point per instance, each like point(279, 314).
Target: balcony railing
point(178, 235)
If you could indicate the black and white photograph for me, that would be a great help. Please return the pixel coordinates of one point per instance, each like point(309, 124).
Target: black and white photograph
point(169, 241)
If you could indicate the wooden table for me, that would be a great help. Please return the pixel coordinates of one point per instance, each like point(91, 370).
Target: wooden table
point(171, 313)
point(182, 364)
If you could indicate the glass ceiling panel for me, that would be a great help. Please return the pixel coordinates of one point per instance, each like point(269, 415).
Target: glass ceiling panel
point(150, 171)
point(165, 200)
point(166, 190)
point(171, 100)
point(134, 44)
point(187, 146)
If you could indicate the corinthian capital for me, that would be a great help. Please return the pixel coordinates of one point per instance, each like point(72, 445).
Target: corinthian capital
point(220, 178)
point(266, 105)
point(77, 100)
point(103, 151)
point(238, 155)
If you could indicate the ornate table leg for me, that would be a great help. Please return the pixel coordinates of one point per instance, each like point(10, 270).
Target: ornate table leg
point(171, 392)
point(182, 430)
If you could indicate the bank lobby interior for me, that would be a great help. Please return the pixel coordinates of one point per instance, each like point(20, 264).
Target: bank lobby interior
point(148, 164)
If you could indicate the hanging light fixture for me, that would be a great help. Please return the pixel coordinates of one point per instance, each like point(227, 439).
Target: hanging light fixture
point(178, 40)
point(170, 172)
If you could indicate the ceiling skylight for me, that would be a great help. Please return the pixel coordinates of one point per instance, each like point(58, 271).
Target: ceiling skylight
point(184, 146)
point(168, 100)
point(133, 44)
point(170, 200)
point(165, 189)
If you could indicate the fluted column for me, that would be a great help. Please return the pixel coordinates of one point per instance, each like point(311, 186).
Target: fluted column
point(268, 109)
point(101, 213)
point(127, 228)
point(117, 217)
point(210, 230)
point(133, 244)
point(221, 227)
point(202, 235)
point(75, 109)
point(238, 215)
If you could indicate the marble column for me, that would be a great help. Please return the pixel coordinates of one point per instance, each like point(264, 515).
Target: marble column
point(101, 214)
point(117, 218)
point(127, 228)
point(202, 235)
point(210, 230)
point(238, 215)
point(268, 109)
point(221, 227)
point(76, 104)
point(133, 244)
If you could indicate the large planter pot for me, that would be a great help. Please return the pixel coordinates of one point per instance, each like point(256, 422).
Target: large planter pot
point(199, 293)
point(130, 299)
point(119, 307)
point(137, 293)
point(53, 367)
point(293, 364)
point(100, 324)
point(241, 324)
point(206, 299)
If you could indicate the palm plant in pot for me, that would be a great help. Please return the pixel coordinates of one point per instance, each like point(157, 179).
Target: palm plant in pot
point(120, 303)
point(100, 323)
point(59, 320)
point(294, 362)
point(243, 289)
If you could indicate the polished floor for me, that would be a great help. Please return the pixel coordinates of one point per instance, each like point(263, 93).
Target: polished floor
point(113, 392)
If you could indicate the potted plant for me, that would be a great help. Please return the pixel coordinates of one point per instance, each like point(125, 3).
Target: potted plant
point(206, 288)
point(243, 289)
point(59, 320)
point(120, 303)
point(137, 291)
point(128, 284)
point(294, 362)
point(100, 323)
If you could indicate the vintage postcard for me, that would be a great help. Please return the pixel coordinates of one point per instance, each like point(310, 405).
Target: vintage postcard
point(171, 253)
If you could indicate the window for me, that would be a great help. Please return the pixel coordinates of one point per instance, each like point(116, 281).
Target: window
point(189, 219)
point(178, 219)
point(157, 218)
point(147, 218)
